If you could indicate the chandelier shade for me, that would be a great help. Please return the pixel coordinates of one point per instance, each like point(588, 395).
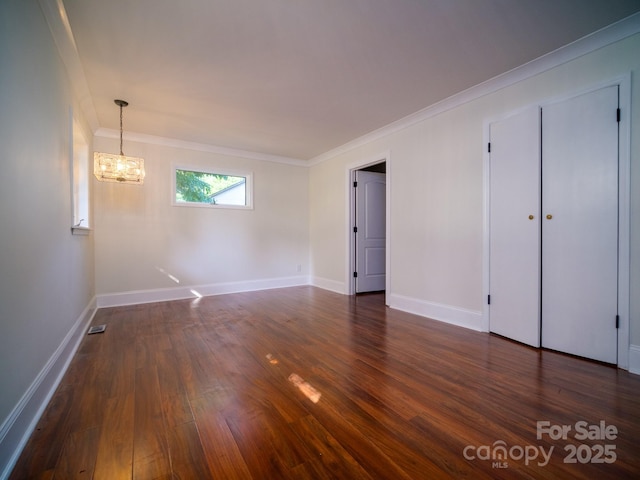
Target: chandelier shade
point(110, 167)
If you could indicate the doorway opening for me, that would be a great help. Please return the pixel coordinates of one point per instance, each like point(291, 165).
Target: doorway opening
point(368, 232)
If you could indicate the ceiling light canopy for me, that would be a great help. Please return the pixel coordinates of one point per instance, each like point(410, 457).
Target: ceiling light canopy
point(108, 167)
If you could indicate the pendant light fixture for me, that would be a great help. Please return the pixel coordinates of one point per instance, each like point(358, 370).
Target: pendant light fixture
point(108, 167)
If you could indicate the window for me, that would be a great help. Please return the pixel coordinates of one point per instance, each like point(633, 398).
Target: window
point(79, 180)
point(211, 188)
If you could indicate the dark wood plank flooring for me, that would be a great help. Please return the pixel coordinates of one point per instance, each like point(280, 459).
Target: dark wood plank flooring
point(200, 389)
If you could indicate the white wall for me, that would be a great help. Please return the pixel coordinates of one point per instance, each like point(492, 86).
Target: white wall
point(47, 273)
point(435, 167)
point(436, 174)
point(141, 238)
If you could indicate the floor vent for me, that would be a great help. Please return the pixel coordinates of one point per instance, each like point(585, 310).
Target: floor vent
point(97, 329)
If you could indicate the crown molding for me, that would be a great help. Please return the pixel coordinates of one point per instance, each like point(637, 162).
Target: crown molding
point(56, 17)
point(58, 22)
point(606, 36)
point(200, 147)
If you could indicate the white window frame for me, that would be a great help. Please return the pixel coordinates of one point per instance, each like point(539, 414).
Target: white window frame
point(248, 176)
point(80, 176)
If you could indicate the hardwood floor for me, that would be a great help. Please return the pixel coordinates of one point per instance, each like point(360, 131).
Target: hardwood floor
point(200, 389)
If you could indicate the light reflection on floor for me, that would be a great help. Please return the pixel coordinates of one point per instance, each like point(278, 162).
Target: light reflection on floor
point(272, 360)
point(305, 387)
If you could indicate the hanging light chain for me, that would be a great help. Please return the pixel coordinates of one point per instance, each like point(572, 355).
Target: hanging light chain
point(121, 105)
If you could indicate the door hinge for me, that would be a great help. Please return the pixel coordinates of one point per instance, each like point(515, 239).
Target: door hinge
point(355, 184)
point(489, 147)
point(618, 115)
point(617, 321)
point(488, 299)
point(355, 229)
point(355, 274)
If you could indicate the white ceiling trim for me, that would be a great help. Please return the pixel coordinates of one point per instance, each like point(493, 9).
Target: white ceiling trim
point(56, 17)
point(58, 22)
point(200, 147)
point(599, 39)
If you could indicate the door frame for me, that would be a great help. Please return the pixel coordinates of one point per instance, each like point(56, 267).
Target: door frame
point(351, 218)
point(624, 202)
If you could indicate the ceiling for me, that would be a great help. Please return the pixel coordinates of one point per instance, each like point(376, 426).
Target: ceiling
point(297, 78)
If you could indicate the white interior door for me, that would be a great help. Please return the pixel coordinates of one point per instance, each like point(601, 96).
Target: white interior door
point(580, 225)
point(370, 231)
point(514, 271)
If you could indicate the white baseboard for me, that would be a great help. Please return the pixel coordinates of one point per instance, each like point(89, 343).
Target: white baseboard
point(18, 426)
point(331, 285)
point(634, 359)
point(445, 313)
point(178, 293)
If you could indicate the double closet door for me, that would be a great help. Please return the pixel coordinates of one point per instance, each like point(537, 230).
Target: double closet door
point(553, 227)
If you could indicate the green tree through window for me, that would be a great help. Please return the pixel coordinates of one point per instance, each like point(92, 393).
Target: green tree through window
point(203, 187)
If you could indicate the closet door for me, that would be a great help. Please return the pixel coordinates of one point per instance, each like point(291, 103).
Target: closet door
point(514, 223)
point(580, 225)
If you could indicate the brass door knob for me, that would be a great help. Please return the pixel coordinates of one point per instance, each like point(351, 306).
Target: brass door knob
point(531, 217)
point(549, 217)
